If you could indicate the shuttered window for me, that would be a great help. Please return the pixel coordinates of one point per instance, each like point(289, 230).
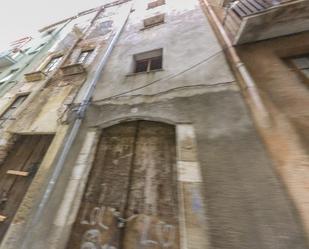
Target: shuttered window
point(84, 56)
point(52, 64)
point(155, 4)
point(8, 76)
point(7, 115)
point(154, 21)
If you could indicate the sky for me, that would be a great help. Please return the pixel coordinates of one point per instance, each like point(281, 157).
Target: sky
point(20, 18)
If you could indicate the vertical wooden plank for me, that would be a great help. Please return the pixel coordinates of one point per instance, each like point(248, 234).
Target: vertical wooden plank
point(152, 211)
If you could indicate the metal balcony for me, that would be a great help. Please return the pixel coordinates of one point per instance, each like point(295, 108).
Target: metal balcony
point(255, 20)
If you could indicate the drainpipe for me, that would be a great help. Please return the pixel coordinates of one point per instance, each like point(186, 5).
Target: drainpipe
point(247, 83)
point(71, 136)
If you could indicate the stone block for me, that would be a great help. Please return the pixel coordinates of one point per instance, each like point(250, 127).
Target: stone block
point(35, 76)
point(72, 69)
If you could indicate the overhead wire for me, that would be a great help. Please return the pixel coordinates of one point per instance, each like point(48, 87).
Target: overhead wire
point(163, 78)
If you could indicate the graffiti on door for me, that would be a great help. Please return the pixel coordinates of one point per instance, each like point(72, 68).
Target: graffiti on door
point(130, 200)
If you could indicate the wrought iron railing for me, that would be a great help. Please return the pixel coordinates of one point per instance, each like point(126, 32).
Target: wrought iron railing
point(239, 9)
point(243, 8)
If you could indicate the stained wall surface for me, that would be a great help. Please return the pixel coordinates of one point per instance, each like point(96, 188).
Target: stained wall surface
point(246, 204)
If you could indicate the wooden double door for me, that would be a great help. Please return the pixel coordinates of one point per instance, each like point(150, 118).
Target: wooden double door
point(130, 201)
point(17, 172)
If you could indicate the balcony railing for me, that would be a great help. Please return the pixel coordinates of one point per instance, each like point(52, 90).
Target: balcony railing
point(244, 8)
point(237, 12)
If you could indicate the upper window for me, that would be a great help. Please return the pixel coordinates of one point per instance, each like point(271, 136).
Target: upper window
point(37, 49)
point(156, 3)
point(8, 76)
point(52, 64)
point(153, 21)
point(10, 110)
point(148, 61)
point(84, 56)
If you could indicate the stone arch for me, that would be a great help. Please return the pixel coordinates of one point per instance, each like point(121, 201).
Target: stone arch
point(118, 120)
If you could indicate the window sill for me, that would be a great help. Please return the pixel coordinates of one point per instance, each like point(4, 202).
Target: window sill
point(151, 26)
point(144, 73)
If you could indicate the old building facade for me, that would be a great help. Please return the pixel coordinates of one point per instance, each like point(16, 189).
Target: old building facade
point(152, 124)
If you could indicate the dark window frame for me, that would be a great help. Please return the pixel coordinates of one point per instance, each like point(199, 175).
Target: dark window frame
point(299, 70)
point(153, 22)
point(84, 56)
point(52, 64)
point(9, 75)
point(149, 66)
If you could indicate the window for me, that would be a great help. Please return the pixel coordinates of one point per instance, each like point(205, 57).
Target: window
point(10, 110)
point(37, 49)
point(49, 32)
point(154, 21)
point(148, 61)
point(53, 63)
point(8, 76)
point(155, 4)
point(25, 50)
point(301, 63)
point(84, 56)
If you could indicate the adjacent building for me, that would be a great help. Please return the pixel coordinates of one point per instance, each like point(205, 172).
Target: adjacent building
point(159, 124)
point(268, 50)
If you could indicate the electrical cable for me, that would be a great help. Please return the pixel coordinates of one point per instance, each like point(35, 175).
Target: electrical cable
point(165, 78)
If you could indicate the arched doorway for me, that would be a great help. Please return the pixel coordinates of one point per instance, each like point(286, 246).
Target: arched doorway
point(130, 201)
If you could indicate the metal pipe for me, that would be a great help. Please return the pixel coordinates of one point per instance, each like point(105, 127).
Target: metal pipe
point(71, 136)
point(97, 75)
point(249, 83)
